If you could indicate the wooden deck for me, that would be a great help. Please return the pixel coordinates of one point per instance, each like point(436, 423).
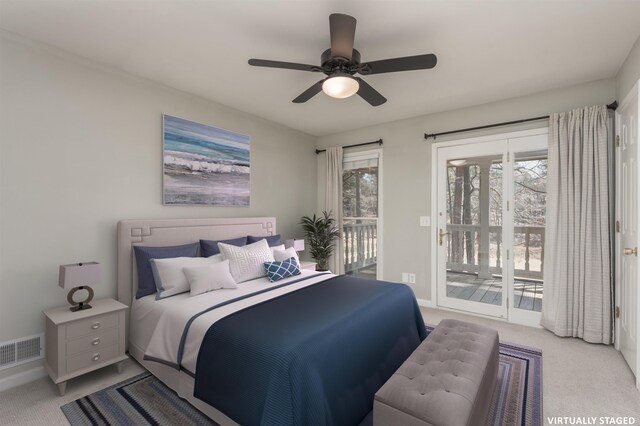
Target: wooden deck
point(528, 293)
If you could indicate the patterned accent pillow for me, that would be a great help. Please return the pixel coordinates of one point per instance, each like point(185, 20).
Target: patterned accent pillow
point(246, 263)
point(279, 270)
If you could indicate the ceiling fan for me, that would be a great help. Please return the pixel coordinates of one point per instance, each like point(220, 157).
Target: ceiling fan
point(341, 63)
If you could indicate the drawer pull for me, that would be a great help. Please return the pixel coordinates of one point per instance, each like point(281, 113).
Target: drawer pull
point(96, 341)
point(96, 357)
point(96, 325)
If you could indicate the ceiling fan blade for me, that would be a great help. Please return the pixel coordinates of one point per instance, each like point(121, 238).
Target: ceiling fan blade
point(343, 31)
point(285, 65)
point(407, 63)
point(370, 94)
point(309, 93)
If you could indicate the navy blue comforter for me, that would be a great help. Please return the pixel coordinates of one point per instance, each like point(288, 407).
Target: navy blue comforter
point(315, 356)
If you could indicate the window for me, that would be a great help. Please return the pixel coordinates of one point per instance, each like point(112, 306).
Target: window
point(361, 201)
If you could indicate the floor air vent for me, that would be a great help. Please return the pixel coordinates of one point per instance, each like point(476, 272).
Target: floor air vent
point(19, 351)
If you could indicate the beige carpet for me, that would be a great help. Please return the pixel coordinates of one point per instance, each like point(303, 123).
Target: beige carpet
point(579, 379)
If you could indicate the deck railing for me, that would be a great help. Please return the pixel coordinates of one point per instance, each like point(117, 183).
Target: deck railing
point(463, 254)
point(360, 242)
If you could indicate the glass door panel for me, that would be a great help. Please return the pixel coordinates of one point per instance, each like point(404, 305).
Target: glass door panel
point(474, 213)
point(470, 211)
point(529, 209)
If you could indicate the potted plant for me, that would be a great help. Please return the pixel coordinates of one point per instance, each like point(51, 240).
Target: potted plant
point(321, 234)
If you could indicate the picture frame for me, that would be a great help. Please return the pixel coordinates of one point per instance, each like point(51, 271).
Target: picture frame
point(204, 165)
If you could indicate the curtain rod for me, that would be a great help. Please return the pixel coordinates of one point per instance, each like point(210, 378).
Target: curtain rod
point(427, 136)
point(379, 142)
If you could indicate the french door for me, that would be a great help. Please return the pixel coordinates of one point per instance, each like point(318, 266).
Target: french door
point(489, 228)
point(627, 235)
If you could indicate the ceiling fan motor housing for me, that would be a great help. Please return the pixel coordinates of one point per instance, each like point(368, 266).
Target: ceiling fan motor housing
point(337, 63)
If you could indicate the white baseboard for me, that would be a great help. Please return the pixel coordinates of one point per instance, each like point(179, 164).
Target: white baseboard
point(22, 378)
point(431, 304)
point(426, 303)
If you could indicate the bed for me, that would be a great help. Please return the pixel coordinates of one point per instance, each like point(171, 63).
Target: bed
point(309, 349)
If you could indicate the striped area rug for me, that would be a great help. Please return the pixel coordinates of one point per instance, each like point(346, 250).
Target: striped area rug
point(145, 400)
point(517, 398)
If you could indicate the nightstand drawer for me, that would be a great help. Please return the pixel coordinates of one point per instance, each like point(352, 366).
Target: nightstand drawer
point(93, 341)
point(91, 325)
point(89, 358)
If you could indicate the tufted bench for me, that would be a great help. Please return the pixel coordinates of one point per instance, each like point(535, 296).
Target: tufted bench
point(447, 381)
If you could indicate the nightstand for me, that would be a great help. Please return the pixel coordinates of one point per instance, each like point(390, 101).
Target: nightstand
point(308, 265)
point(83, 341)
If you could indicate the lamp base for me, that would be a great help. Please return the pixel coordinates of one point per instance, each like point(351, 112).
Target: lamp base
point(79, 306)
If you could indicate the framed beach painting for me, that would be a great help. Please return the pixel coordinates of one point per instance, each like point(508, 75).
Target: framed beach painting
point(204, 165)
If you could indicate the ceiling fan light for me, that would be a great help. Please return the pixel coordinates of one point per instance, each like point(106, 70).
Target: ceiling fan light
point(340, 86)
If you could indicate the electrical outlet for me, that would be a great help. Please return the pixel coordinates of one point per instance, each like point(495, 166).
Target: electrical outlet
point(412, 278)
point(425, 221)
point(405, 277)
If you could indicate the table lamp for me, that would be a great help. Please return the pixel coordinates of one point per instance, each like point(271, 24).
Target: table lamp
point(78, 276)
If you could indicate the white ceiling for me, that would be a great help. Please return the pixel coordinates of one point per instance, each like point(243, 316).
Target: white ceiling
point(487, 50)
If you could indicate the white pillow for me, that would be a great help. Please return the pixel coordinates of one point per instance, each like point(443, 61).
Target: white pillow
point(169, 277)
point(247, 262)
point(274, 248)
point(285, 254)
point(208, 278)
point(216, 258)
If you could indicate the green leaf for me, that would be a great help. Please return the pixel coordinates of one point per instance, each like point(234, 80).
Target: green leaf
point(320, 234)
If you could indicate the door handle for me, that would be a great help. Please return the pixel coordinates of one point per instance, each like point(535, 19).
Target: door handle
point(631, 251)
point(442, 234)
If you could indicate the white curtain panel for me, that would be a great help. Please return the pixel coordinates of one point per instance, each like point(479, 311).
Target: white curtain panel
point(577, 262)
point(333, 202)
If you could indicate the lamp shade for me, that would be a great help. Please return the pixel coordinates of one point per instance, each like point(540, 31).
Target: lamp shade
point(79, 274)
point(340, 86)
point(298, 245)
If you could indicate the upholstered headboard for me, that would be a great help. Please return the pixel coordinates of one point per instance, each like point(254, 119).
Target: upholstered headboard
point(169, 232)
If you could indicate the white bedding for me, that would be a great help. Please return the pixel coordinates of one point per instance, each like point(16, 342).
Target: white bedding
point(157, 325)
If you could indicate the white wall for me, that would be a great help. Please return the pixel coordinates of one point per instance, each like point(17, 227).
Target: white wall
point(629, 73)
point(407, 163)
point(81, 148)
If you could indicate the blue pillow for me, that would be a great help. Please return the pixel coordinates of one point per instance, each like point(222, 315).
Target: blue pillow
point(274, 240)
point(279, 270)
point(210, 247)
point(146, 282)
